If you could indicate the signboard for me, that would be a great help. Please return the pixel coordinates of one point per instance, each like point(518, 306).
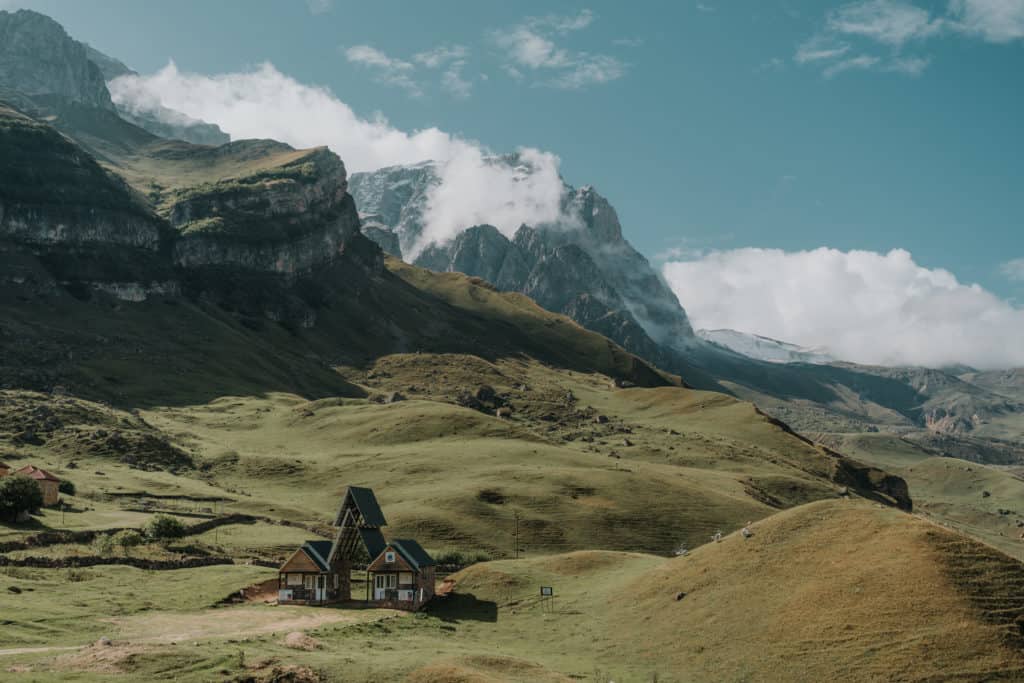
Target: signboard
point(547, 591)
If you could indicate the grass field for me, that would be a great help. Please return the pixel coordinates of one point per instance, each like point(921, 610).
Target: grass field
point(825, 591)
point(985, 501)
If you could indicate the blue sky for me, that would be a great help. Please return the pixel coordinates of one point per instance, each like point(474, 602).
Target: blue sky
point(709, 125)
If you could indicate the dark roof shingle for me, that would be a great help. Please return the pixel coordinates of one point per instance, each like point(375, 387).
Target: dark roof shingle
point(318, 551)
point(366, 503)
point(413, 553)
point(373, 540)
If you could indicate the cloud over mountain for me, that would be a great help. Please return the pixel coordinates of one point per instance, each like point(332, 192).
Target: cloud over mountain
point(863, 306)
point(265, 103)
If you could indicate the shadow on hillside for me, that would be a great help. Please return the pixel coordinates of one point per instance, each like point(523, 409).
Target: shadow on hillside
point(218, 339)
point(457, 607)
point(792, 381)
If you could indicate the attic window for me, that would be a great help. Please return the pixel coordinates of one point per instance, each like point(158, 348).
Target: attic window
point(389, 557)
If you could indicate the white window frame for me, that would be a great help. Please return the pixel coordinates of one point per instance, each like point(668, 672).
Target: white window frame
point(389, 557)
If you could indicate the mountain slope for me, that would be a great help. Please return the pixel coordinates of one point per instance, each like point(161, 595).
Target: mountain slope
point(764, 348)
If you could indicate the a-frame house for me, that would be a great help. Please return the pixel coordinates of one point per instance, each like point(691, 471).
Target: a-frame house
point(319, 572)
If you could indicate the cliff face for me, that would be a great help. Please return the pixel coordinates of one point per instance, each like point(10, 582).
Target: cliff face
point(37, 57)
point(52, 193)
point(247, 240)
point(283, 220)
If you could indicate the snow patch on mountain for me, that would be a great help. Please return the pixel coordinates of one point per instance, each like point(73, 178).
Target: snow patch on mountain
point(766, 348)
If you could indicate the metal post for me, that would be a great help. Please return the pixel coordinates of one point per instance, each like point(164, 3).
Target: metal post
point(515, 534)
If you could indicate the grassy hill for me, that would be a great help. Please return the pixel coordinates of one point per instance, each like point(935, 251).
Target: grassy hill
point(826, 591)
point(984, 501)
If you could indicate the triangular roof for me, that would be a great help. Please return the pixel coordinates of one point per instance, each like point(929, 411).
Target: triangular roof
point(413, 553)
point(373, 541)
point(361, 500)
point(37, 473)
point(318, 552)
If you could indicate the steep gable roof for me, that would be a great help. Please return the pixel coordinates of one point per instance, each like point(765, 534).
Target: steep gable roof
point(373, 541)
point(413, 553)
point(363, 500)
point(318, 551)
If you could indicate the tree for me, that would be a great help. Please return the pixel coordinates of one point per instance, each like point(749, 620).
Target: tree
point(66, 486)
point(128, 539)
point(103, 545)
point(19, 494)
point(164, 528)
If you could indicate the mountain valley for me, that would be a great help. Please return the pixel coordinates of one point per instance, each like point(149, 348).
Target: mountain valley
point(225, 332)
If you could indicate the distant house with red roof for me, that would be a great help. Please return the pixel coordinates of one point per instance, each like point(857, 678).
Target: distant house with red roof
point(48, 483)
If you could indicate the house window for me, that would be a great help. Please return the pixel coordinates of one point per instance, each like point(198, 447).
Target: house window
point(389, 557)
point(309, 582)
point(294, 579)
point(336, 581)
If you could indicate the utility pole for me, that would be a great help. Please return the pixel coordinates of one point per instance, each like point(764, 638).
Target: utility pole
point(515, 534)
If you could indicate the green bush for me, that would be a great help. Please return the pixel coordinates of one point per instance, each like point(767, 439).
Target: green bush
point(66, 487)
point(164, 528)
point(128, 539)
point(103, 545)
point(19, 494)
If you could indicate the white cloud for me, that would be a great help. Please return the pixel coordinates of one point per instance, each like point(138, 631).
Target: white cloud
point(895, 24)
point(476, 189)
point(264, 103)
point(1014, 269)
point(389, 70)
point(997, 21)
point(887, 21)
point(862, 62)
point(562, 24)
point(590, 70)
point(319, 6)
point(532, 50)
point(628, 42)
point(819, 48)
point(440, 55)
point(531, 45)
point(911, 66)
point(863, 306)
point(453, 81)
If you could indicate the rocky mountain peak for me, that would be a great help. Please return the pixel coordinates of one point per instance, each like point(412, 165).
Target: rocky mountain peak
point(38, 57)
point(596, 213)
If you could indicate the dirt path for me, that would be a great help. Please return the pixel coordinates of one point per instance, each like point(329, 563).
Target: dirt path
point(234, 622)
point(34, 650)
point(224, 622)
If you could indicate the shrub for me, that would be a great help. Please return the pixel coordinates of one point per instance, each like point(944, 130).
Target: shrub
point(164, 528)
point(103, 545)
point(66, 487)
point(19, 494)
point(128, 539)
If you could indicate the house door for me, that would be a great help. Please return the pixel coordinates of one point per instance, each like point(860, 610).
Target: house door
point(321, 587)
point(382, 583)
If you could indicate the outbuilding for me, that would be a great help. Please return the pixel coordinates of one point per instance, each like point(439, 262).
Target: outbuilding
point(48, 483)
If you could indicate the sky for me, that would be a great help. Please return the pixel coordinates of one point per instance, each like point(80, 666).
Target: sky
point(755, 151)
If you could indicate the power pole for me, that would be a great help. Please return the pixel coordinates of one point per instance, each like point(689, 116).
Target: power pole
point(515, 534)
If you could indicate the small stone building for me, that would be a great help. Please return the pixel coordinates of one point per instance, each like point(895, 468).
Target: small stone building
point(48, 483)
point(5, 469)
point(401, 573)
